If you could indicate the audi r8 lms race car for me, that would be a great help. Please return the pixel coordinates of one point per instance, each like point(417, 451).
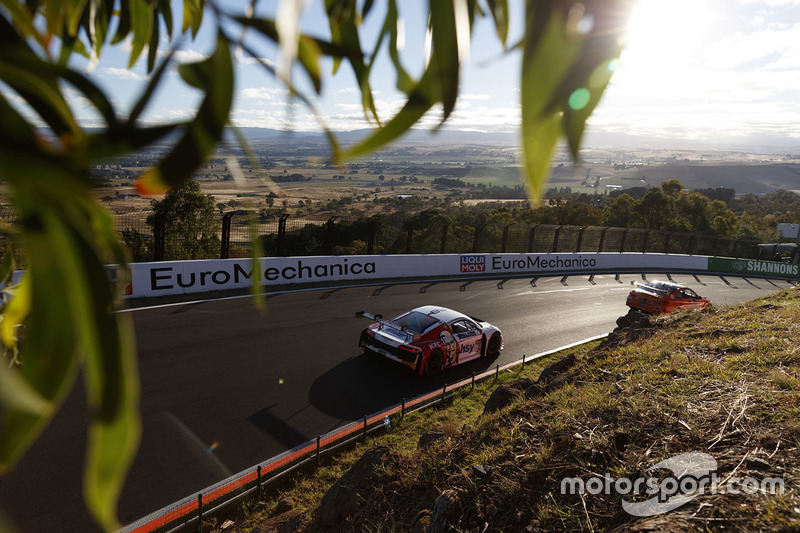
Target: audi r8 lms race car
point(658, 297)
point(430, 338)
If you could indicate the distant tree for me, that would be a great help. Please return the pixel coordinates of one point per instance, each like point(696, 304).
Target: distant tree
point(672, 187)
point(190, 222)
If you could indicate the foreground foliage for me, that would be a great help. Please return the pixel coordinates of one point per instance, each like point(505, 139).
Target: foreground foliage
point(569, 51)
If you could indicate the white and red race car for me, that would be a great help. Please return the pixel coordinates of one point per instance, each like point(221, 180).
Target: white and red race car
point(430, 338)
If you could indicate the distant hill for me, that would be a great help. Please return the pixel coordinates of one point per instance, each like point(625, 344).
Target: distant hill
point(745, 178)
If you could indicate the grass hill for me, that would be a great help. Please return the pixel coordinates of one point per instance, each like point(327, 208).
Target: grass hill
point(722, 382)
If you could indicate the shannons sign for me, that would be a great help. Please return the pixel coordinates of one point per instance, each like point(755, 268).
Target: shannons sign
point(754, 267)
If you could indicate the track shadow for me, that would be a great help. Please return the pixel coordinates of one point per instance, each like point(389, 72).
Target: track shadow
point(277, 428)
point(364, 384)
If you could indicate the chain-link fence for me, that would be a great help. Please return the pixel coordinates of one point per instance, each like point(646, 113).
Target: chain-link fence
point(152, 237)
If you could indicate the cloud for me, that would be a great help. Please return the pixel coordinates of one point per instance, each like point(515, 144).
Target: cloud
point(123, 74)
point(263, 93)
point(769, 3)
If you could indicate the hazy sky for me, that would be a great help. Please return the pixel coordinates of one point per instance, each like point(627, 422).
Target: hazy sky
point(696, 69)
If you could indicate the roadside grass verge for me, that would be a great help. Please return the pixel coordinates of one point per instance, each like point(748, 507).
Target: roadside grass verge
point(724, 382)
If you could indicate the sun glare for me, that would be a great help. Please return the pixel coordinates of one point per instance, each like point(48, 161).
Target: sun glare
point(667, 32)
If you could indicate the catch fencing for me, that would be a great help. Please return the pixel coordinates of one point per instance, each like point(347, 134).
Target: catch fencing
point(191, 510)
point(150, 236)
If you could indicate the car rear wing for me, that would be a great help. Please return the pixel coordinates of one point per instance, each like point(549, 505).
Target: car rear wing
point(384, 323)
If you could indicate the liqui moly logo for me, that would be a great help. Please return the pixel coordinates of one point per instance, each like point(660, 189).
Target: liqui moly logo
point(473, 263)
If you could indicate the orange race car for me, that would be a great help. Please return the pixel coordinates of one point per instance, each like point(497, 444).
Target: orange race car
point(657, 297)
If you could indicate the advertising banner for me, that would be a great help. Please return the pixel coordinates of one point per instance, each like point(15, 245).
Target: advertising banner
point(182, 277)
point(754, 267)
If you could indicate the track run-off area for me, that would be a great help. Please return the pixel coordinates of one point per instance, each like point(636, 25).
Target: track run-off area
point(225, 385)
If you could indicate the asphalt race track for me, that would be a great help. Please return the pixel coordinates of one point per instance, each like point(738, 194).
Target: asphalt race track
point(225, 386)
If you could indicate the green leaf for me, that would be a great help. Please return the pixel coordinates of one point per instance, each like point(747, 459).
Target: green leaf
point(216, 75)
point(445, 56)
point(17, 394)
point(547, 55)
point(123, 22)
point(342, 16)
point(141, 16)
point(152, 50)
point(419, 102)
point(193, 15)
point(499, 11)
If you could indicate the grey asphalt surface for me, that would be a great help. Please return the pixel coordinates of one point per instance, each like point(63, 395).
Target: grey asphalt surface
point(225, 386)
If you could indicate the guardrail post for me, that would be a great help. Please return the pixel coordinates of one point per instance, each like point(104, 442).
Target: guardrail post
point(373, 231)
point(602, 239)
point(159, 236)
point(531, 235)
point(580, 238)
point(622, 241)
point(281, 241)
point(445, 229)
point(329, 236)
point(504, 242)
point(555, 240)
point(225, 247)
point(409, 237)
point(199, 513)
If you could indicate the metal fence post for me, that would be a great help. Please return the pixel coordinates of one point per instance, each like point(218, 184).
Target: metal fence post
point(602, 239)
point(258, 473)
point(555, 240)
point(225, 248)
point(692, 242)
point(402, 409)
point(580, 238)
point(364, 431)
point(478, 230)
point(373, 231)
point(531, 235)
point(318, 439)
point(646, 240)
point(504, 242)
point(622, 241)
point(666, 242)
point(445, 229)
point(200, 513)
point(329, 236)
point(281, 241)
point(409, 237)
point(159, 236)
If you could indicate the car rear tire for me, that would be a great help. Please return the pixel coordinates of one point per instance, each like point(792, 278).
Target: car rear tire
point(433, 364)
point(493, 347)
